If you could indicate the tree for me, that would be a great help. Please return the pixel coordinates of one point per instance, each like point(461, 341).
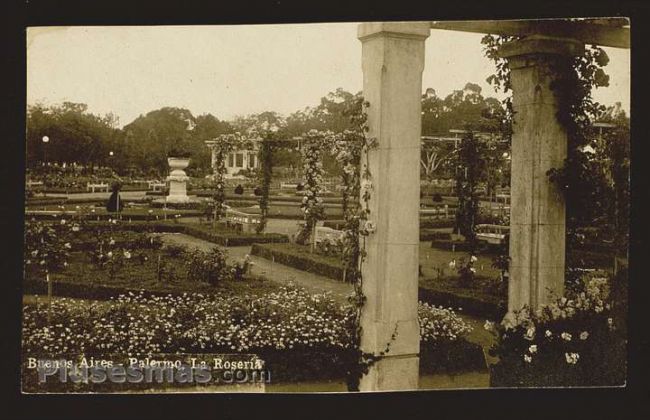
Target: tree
point(76, 135)
point(150, 138)
point(462, 109)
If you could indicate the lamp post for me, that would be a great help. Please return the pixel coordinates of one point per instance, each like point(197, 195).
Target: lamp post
point(46, 140)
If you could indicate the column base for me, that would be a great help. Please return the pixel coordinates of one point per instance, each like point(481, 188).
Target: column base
point(392, 373)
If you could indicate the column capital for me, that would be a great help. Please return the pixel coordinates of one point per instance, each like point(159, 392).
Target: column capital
point(410, 30)
point(539, 45)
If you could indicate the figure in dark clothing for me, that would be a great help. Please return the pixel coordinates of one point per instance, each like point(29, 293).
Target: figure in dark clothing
point(114, 201)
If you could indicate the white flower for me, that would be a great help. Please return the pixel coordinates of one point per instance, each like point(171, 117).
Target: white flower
point(530, 333)
point(527, 358)
point(566, 336)
point(473, 258)
point(489, 326)
point(452, 264)
point(63, 221)
point(472, 269)
point(111, 242)
point(584, 335)
point(571, 358)
point(532, 349)
point(109, 254)
point(548, 334)
point(127, 254)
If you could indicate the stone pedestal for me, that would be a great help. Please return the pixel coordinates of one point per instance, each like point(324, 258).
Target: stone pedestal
point(539, 143)
point(392, 61)
point(178, 180)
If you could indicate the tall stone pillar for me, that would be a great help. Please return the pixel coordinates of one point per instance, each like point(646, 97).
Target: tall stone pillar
point(539, 143)
point(392, 61)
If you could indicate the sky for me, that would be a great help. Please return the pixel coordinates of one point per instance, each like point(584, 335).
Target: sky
point(238, 70)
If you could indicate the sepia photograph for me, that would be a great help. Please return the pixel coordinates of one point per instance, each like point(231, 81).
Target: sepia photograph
point(326, 207)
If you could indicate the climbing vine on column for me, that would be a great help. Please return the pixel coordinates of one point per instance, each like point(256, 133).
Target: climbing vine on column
point(577, 111)
point(312, 202)
point(265, 174)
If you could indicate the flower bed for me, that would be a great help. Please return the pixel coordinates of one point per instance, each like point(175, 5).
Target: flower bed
point(300, 336)
point(113, 269)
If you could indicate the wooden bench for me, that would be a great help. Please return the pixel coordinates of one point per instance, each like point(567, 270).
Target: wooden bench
point(242, 221)
point(327, 234)
point(34, 183)
point(94, 187)
point(156, 185)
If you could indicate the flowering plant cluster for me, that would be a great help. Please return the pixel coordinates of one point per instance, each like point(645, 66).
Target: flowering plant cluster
point(466, 270)
point(347, 149)
point(46, 248)
point(210, 267)
point(330, 248)
point(288, 319)
point(110, 255)
point(567, 342)
point(312, 203)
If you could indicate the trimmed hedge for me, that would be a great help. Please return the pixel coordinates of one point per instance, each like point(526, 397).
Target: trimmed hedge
point(227, 238)
point(434, 235)
point(473, 302)
point(83, 290)
point(219, 236)
point(449, 244)
point(298, 256)
point(436, 224)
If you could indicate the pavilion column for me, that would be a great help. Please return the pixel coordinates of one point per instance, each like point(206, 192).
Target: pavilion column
point(539, 143)
point(392, 61)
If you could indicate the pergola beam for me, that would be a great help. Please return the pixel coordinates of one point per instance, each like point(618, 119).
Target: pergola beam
point(606, 33)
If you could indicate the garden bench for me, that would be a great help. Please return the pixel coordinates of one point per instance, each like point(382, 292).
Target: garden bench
point(156, 185)
point(34, 183)
point(288, 185)
point(327, 234)
point(242, 221)
point(94, 187)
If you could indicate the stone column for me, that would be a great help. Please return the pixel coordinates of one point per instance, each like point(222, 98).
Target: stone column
point(539, 143)
point(392, 61)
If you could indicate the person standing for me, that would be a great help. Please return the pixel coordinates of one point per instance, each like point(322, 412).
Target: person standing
point(114, 202)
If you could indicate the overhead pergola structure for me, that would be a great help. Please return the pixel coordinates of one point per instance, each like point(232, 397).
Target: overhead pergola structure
point(392, 62)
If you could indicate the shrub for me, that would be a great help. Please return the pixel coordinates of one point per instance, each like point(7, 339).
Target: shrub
point(239, 190)
point(174, 251)
point(209, 267)
point(257, 191)
point(437, 198)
